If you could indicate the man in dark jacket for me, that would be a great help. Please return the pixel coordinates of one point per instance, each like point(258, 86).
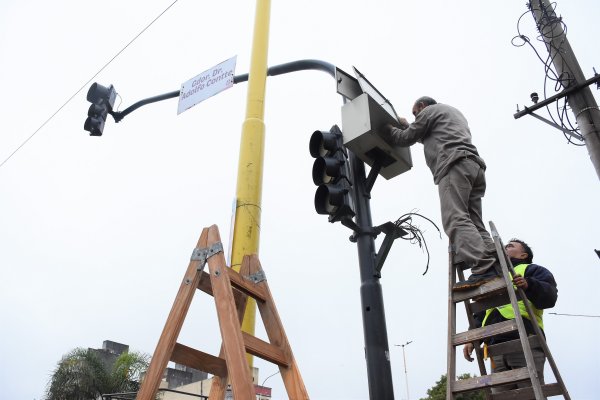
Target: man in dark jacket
point(540, 288)
point(459, 172)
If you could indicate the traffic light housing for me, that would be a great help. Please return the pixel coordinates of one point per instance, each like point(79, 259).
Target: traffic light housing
point(331, 173)
point(102, 99)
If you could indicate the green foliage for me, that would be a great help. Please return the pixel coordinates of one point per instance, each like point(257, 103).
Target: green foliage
point(438, 391)
point(81, 375)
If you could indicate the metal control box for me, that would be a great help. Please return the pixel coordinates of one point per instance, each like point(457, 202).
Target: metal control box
point(361, 119)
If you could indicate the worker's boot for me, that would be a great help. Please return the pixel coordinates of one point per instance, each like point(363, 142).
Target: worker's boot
point(476, 280)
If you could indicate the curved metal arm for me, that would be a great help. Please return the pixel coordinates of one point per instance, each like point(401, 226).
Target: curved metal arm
point(299, 65)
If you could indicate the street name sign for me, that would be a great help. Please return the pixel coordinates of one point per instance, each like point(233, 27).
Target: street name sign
point(206, 84)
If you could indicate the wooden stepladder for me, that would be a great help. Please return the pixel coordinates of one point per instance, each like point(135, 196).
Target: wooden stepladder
point(230, 290)
point(492, 294)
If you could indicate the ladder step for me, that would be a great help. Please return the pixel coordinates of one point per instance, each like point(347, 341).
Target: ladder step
point(512, 346)
point(483, 304)
point(490, 288)
point(551, 389)
point(264, 350)
point(237, 281)
point(199, 360)
point(486, 381)
point(247, 286)
point(484, 332)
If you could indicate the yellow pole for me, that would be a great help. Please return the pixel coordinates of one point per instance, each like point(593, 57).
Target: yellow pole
point(246, 230)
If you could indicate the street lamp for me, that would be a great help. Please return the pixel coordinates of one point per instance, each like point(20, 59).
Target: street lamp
point(405, 372)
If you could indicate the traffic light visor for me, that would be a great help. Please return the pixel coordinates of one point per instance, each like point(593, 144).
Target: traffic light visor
point(322, 143)
point(94, 126)
point(326, 170)
point(329, 198)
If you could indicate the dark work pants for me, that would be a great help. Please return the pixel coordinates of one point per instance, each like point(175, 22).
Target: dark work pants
point(510, 361)
point(461, 190)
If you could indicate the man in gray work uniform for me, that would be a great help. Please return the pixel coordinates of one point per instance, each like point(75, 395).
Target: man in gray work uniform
point(459, 172)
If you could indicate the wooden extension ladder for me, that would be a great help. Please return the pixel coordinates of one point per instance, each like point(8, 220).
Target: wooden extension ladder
point(230, 290)
point(489, 295)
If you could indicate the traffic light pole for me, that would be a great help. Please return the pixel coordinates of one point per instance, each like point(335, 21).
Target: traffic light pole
point(377, 353)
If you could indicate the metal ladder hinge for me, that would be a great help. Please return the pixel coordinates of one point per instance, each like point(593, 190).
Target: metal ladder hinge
point(203, 254)
point(257, 277)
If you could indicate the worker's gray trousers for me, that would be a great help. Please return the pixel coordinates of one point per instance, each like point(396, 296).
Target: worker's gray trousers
point(461, 190)
point(517, 360)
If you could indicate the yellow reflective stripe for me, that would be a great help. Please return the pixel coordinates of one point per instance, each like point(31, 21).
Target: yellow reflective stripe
point(507, 311)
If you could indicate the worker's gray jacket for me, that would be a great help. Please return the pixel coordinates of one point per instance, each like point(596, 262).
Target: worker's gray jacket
point(445, 135)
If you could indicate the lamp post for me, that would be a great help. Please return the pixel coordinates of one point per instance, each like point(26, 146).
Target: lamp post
point(405, 372)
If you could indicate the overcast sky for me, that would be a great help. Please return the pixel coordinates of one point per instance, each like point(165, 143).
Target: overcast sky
point(96, 232)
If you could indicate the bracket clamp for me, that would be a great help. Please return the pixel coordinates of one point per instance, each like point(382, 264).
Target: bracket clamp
point(258, 276)
point(203, 254)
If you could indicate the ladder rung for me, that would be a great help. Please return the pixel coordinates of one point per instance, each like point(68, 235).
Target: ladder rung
point(264, 350)
point(512, 346)
point(487, 289)
point(490, 302)
point(484, 332)
point(246, 286)
point(199, 360)
point(485, 381)
point(551, 389)
point(204, 283)
point(238, 282)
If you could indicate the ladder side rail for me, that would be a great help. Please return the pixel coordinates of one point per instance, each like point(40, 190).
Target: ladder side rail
point(542, 339)
point(219, 383)
point(539, 333)
point(451, 354)
point(173, 325)
point(535, 382)
point(476, 343)
point(233, 343)
point(290, 373)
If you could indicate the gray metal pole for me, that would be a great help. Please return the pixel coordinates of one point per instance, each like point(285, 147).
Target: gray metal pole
point(377, 353)
point(582, 102)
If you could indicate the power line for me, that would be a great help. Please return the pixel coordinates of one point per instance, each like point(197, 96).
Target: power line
point(88, 81)
point(577, 315)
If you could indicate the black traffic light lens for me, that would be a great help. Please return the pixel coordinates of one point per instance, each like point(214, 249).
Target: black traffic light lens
point(94, 126)
point(331, 173)
point(102, 99)
point(98, 110)
point(97, 92)
point(326, 170)
point(323, 201)
point(322, 143)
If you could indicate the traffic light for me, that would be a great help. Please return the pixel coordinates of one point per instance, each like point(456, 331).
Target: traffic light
point(331, 173)
point(102, 99)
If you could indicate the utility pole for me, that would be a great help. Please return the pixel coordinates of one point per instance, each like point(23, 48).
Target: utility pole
point(582, 102)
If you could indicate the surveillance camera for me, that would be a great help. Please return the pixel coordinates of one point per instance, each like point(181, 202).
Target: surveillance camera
point(534, 97)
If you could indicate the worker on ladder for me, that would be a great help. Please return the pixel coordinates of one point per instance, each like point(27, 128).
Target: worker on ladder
point(459, 172)
point(539, 286)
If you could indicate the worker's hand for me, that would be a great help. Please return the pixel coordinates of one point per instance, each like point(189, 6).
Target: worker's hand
point(403, 122)
point(520, 282)
point(387, 129)
point(386, 132)
point(467, 351)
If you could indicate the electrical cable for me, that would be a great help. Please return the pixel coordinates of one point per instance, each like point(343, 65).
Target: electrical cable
point(576, 315)
point(415, 234)
point(87, 83)
point(551, 27)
